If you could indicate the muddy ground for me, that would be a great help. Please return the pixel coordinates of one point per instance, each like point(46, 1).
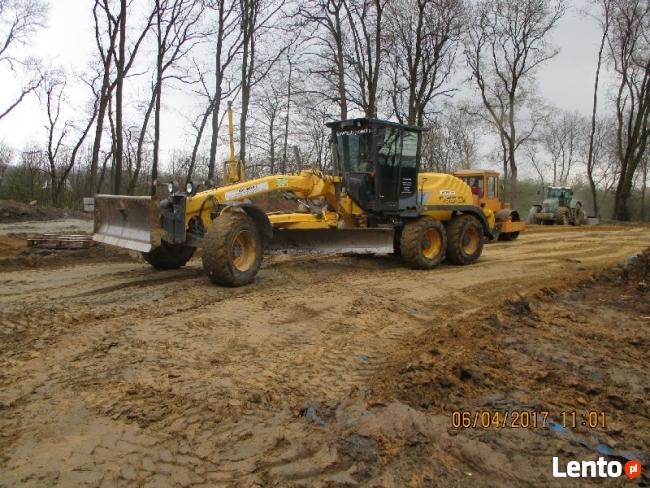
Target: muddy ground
point(327, 371)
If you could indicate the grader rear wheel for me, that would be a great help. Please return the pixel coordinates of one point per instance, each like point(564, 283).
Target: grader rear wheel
point(168, 256)
point(464, 239)
point(423, 243)
point(232, 250)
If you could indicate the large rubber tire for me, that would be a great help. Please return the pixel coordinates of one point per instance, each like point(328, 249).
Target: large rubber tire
point(562, 216)
point(464, 239)
point(232, 250)
point(168, 256)
point(534, 210)
point(423, 243)
point(578, 215)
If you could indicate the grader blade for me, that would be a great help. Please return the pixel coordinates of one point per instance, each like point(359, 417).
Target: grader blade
point(127, 221)
point(355, 241)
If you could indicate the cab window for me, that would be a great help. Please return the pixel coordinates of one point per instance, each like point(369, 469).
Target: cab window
point(476, 184)
point(492, 187)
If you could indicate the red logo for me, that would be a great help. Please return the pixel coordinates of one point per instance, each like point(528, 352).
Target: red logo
point(633, 469)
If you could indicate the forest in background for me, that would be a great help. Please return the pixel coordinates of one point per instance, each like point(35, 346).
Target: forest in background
point(290, 66)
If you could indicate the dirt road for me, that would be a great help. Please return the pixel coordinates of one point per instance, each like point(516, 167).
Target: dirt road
point(113, 373)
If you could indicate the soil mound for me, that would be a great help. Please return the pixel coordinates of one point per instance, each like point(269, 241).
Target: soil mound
point(12, 211)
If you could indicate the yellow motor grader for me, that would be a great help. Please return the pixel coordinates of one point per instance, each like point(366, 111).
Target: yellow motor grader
point(375, 200)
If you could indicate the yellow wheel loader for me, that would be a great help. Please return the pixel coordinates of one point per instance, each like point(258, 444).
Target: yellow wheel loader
point(488, 194)
point(375, 200)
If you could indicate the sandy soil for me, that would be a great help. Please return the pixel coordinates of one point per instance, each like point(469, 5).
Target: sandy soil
point(328, 371)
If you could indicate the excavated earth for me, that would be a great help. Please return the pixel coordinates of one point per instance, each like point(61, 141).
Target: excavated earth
point(327, 371)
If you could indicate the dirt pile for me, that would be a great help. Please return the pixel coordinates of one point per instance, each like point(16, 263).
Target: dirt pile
point(574, 361)
point(15, 255)
point(12, 211)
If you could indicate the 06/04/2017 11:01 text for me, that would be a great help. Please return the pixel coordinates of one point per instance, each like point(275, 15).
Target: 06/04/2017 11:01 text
point(526, 419)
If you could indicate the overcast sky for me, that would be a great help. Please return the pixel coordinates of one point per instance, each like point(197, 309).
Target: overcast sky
point(68, 41)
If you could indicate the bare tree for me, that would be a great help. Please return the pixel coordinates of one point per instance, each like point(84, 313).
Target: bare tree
point(19, 20)
point(629, 46)
point(120, 64)
point(365, 19)
point(591, 162)
point(177, 31)
point(326, 18)
point(561, 137)
point(505, 45)
point(60, 157)
point(227, 40)
point(426, 35)
point(532, 152)
point(257, 17)
point(108, 27)
point(269, 104)
point(451, 142)
point(106, 54)
point(287, 108)
point(139, 148)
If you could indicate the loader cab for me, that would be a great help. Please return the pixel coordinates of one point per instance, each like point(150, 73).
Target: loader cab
point(485, 187)
point(379, 162)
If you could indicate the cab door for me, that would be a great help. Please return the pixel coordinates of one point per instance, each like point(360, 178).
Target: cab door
point(491, 199)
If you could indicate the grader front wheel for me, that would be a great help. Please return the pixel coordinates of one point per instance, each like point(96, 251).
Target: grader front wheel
point(423, 243)
point(232, 250)
point(464, 239)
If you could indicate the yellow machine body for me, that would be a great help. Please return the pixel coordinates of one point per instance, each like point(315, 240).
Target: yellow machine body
point(375, 200)
point(487, 193)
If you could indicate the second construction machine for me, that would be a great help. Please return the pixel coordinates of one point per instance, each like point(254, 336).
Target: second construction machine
point(375, 200)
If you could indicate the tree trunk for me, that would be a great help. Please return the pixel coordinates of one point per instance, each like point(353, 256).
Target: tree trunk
point(644, 186)
point(197, 143)
point(594, 194)
point(511, 140)
point(340, 68)
point(286, 121)
point(156, 130)
point(590, 156)
point(621, 198)
point(104, 95)
point(214, 140)
point(119, 149)
point(246, 73)
point(138, 152)
point(272, 145)
point(216, 100)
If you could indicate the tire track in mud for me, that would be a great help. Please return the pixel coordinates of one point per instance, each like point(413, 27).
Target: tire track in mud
point(186, 382)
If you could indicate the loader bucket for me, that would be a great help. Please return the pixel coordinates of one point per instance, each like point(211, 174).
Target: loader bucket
point(127, 221)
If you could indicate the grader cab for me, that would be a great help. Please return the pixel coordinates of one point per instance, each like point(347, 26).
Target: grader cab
point(487, 193)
